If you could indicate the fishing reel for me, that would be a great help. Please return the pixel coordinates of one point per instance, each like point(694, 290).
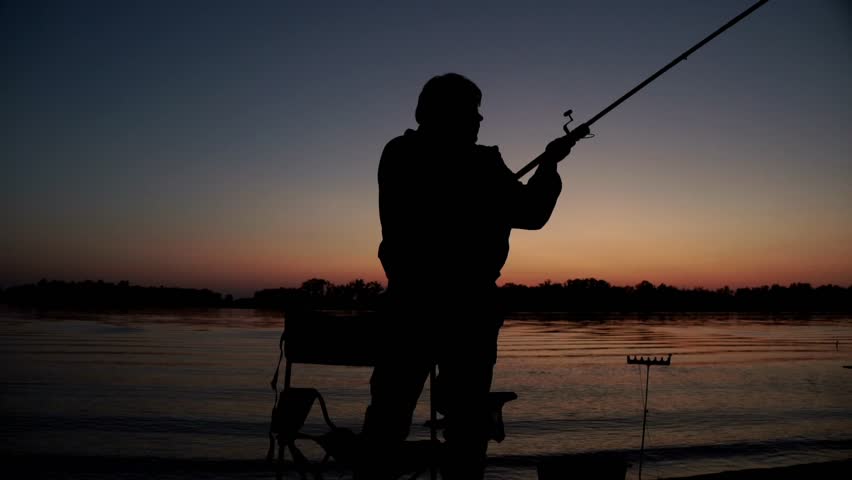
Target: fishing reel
point(571, 119)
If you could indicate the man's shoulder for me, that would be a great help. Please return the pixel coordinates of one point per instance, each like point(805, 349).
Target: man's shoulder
point(491, 163)
point(489, 157)
point(400, 144)
point(401, 141)
point(487, 151)
point(397, 149)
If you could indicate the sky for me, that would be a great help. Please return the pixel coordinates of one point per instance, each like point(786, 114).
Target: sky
point(234, 145)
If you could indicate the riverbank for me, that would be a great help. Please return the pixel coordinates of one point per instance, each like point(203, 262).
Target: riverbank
point(822, 470)
point(113, 467)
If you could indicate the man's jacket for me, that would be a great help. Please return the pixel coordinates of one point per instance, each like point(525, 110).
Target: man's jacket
point(446, 214)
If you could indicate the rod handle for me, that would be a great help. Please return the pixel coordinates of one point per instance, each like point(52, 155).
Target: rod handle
point(577, 134)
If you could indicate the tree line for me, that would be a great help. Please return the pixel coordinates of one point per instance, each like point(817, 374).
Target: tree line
point(577, 295)
point(100, 294)
point(593, 295)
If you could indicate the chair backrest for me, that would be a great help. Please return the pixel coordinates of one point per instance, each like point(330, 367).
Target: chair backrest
point(332, 338)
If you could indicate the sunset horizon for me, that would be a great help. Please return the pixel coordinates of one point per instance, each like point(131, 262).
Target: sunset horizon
point(248, 291)
point(245, 154)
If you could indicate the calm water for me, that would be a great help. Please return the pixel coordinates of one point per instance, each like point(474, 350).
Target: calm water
point(189, 391)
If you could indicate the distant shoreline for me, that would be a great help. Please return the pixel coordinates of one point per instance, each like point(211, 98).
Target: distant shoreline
point(527, 315)
point(586, 296)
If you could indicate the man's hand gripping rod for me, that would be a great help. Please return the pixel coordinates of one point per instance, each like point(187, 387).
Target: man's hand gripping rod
point(583, 130)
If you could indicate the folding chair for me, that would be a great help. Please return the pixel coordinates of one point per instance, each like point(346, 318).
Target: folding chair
point(343, 339)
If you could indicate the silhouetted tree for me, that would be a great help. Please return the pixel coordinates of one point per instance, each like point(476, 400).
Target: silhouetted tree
point(315, 287)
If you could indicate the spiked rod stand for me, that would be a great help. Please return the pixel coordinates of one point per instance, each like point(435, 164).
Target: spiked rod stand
point(648, 80)
point(647, 362)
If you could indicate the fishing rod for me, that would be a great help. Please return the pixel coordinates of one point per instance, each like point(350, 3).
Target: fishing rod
point(583, 130)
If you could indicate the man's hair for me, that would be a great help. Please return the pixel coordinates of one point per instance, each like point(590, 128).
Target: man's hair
point(443, 94)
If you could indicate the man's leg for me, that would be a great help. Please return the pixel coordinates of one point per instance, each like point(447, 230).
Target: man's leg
point(465, 385)
point(466, 369)
point(395, 387)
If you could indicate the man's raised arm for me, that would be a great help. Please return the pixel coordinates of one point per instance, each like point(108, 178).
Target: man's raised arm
point(532, 204)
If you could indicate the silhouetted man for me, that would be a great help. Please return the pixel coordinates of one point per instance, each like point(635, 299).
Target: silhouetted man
point(447, 206)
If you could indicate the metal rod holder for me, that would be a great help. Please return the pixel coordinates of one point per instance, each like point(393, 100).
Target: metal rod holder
point(648, 362)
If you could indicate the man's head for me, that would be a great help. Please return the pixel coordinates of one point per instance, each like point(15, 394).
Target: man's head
point(449, 107)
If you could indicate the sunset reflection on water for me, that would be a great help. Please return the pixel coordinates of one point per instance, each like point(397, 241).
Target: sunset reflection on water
point(742, 390)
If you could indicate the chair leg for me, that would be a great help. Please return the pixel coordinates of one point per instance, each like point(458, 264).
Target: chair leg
point(321, 467)
point(433, 422)
point(299, 459)
point(279, 468)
